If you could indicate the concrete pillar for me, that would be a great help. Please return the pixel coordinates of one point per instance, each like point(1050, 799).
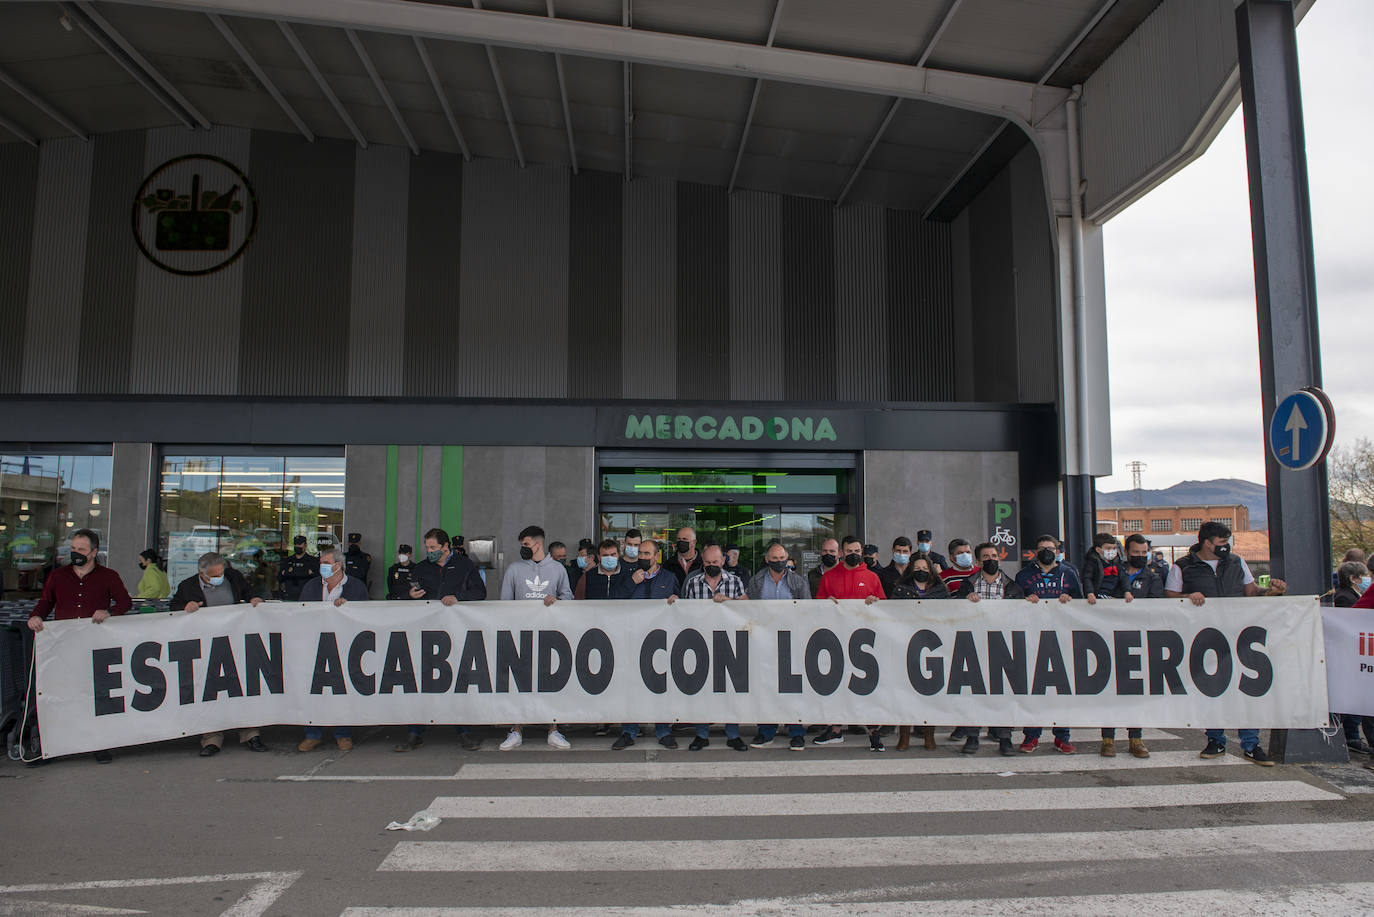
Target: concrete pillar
point(132, 525)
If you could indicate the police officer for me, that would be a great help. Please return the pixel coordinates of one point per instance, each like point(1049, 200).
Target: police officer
point(357, 562)
point(297, 570)
point(398, 580)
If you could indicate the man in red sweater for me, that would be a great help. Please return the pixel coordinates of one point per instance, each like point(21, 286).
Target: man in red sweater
point(85, 589)
point(850, 579)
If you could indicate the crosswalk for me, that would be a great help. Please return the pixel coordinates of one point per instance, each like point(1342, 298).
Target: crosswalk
point(850, 833)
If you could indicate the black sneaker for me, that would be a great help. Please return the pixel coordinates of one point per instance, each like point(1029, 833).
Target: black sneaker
point(1359, 747)
point(103, 757)
point(875, 742)
point(797, 743)
point(622, 743)
point(1214, 749)
point(1005, 748)
point(668, 742)
point(760, 742)
point(736, 743)
point(832, 737)
point(957, 735)
point(698, 744)
point(1259, 756)
point(970, 746)
point(256, 744)
point(411, 743)
point(470, 742)
point(209, 751)
point(604, 729)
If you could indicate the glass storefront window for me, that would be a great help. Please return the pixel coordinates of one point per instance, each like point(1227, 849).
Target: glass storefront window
point(43, 499)
point(248, 508)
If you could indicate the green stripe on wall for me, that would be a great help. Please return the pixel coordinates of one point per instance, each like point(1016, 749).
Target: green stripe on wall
point(392, 456)
point(451, 491)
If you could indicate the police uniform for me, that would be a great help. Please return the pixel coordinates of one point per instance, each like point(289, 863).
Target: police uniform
point(357, 562)
point(398, 581)
point(296, 571)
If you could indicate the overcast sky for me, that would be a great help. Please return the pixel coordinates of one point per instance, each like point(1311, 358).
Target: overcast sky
point(1179, 264)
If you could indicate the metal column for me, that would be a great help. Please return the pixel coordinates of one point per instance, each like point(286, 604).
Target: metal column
point(1286, 303)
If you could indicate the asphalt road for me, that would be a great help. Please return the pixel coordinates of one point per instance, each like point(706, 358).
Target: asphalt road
point(588, 831)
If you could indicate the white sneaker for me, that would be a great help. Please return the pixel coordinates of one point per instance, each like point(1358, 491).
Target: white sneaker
point(557, 740)
point(512, 741)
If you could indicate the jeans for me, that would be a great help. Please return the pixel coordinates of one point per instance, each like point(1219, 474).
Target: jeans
point(795, 730)
point(660, 730)
point(1134, 732)
point(1249, 738)
point(731, 730)
point(1352, 723)
point(340, 732)
point(1034, 732)
point(420, 730)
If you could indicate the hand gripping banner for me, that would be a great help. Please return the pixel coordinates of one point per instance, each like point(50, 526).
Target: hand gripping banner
point(144, 678)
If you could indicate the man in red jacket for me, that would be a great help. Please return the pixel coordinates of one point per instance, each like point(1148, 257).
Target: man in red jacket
point(85, 589)
point(850, 579)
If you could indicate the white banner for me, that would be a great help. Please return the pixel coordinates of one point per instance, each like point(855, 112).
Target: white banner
point(1350, 659)
point(144, 678)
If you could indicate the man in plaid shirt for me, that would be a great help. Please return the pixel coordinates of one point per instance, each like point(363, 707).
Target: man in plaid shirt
point(716, 583)
point(989, 583)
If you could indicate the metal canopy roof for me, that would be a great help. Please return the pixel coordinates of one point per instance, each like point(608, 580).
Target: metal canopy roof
point(711, 91)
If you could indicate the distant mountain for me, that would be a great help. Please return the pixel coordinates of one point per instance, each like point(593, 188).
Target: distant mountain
point(1221, 492)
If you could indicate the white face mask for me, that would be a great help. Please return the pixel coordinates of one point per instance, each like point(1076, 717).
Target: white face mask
point(402, 558)
point(1109, 554)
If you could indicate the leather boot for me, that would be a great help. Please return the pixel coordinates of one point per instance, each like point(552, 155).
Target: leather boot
point(903, 738)
point(930, 738)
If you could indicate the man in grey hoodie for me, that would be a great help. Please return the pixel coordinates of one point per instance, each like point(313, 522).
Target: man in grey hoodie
point(535, 575)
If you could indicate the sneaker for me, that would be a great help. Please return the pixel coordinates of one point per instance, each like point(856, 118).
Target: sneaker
point(957, 735)
point(255, 744)
point(970, 746)
point(604, 729)
point(797, 743)
point(1138, 748)
point(470, 742)
point(1359, 747)
point(1108, 748)
point(513, 740)
point(832, 737)
point(209, 751)
point(668, 742)
point(344, 743)
point(1063, 747)
point(736, 743)
point(1029, 746)
point(1214, 749)
point(875, 741)
point(1005, 748)
point(308, 745)
point(1259, 756)
point(759, 741)
point(558, 740)
point(698, 743)
point(622, 743)
point(411, 743)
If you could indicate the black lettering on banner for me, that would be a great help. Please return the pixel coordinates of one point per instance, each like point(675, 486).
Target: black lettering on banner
point(221, 672)
point(472, 665)
point(1050, 670)
point(930, 679)
point(552, 680)
point(1165, 651)
point(184, 653)
point(364, 641)
point(1090, 643)
point(595, 641)
point(147, 675)
point(1126, 644)
point(261, 665)
point(1213, 684)
point(1259, 684)
point(435, 672)
point(328, 667)
point(398, 671)
point(106, 682)
point(730, 659)
point(864, 661)
point(515, 662)
point(1007, 664)
point(654, 641)
point(824, 641)
point(689, 641)
point(965, 669)
point(789, 682)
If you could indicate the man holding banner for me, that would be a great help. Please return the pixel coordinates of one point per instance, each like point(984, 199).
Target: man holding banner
point(336, 587)
point(991, 583)
point(535, 575)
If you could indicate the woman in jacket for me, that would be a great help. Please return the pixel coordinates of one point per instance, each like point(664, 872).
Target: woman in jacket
point(920, 582)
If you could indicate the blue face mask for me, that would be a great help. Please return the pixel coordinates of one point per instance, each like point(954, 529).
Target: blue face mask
point(901, 559)
point(924, 547)
point(1365, 581)
point(632, 552)
point(609, 562)
point(964, 560)
point(217, 580)
point(581, 562)
point(1058, 557)
point(326, 571)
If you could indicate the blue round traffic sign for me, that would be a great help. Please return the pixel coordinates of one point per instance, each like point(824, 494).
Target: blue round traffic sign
point(1302, 429)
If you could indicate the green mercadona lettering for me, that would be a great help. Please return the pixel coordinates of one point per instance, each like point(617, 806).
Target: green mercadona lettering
point(746, 427)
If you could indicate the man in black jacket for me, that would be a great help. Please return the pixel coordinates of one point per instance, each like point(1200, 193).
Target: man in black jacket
point(297, 570)
point(1138, 580)
point(357, 562)
point(399, 576)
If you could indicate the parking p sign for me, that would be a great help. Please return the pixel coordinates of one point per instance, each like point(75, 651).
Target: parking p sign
point(1302, 429)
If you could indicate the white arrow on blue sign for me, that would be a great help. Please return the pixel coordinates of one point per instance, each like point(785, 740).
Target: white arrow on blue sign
point(1301, 429)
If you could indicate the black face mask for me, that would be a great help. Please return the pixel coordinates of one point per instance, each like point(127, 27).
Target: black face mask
point(921, 576)
point(853, 560)
point(526, 553)
point(712, 569)
point(829, 560)
point(777, 566)
point(78, 559)
point(683, 546)
point(1222, 550)
point(1139, 562)
point(990, 566)
point(646, 563)
point(1045, 556)
point(300, 549)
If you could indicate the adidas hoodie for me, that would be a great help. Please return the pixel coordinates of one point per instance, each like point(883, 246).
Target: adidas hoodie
point(526, 579)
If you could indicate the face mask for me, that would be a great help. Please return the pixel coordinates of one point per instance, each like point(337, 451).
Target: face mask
point(963, 560)
point(1222, 550)
point(143, 565)
point(853, 560)
point(217, 580)
point(923, 547)
point(526, 553)
point(829, 560)
point(712, 570)
point(1139, 561)
point(78, 559)
point(326, 571)
point(1059, 557)
point(1365, 581)
point(581, 562)
point(402, 558)
point(433, 556)
point(300, 549)
point(631, 552)
point(609, 562)
point(683, 546)
point(1109, 554)
point(1045, 556)
point(990, 566)
point(921, 576)
point(901, 560)
point(777, 566)
point(646, 563)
